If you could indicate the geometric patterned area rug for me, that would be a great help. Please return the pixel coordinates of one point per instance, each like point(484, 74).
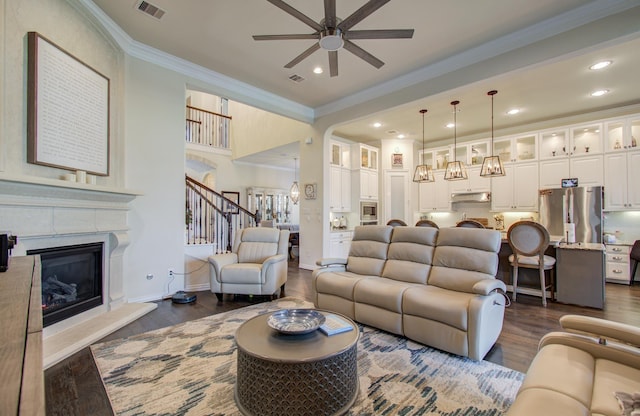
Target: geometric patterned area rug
point(190, 369)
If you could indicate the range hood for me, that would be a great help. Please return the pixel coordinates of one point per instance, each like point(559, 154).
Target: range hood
point(471, 197)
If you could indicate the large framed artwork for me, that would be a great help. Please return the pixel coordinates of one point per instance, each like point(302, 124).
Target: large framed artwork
point(67, 110)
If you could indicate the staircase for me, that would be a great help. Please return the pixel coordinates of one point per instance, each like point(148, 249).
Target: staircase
point(212, 219)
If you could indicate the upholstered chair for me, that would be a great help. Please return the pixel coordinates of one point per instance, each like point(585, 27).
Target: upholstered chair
point(257, 264)
point(528, 241)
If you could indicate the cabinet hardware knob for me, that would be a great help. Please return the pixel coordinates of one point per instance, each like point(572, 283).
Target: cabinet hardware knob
point(617, 249)
point(617, 271)
point(617, 258)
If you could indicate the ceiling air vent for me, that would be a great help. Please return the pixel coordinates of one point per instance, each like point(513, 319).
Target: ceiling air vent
point(296, 78)
point(150, 9)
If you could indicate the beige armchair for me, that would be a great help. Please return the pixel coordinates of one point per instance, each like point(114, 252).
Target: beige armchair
point(257, 264)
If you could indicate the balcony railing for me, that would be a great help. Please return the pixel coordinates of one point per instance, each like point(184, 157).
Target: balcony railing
point(210, 218)
point(207, 128)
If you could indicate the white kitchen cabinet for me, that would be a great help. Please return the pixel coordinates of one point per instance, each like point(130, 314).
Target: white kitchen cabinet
point(364, 156)
point(622, 188)
point(622, 134)
point(516, 149)
point(580, 140)
point(617, 263)
point(435, 196)
point(588, 169)
point(340, 189)
point(340, 154)
point(473, 183)
point(339, 244)
point(367, 183)
point(517, 190)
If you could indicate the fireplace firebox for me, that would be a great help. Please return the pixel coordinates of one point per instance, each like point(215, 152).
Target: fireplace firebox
point(71, 280)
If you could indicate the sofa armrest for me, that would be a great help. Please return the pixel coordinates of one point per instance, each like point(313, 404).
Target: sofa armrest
point(220, 260)
point(486, 286)
point(331, 261)
point(602, 329)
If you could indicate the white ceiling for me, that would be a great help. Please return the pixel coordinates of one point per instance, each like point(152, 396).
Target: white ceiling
point(217, 34)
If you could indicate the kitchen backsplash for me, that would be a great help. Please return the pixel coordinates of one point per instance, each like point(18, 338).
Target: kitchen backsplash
point(625, 225)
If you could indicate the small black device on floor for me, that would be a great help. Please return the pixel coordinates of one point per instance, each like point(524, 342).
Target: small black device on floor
point(183, 297)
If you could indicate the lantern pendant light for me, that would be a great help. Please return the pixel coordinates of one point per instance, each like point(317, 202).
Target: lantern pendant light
point(492, 165)
point(294, 192)
point(424, 172)
point(456, 169)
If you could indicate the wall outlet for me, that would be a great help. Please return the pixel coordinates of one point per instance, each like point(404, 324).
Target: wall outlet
point(149, 276)
point(170, 273)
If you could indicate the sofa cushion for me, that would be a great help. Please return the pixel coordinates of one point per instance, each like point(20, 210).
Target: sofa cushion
point(381, 292)
point(410, 254)
point(438, 304)
point(339, 283)
point(612, 377)
point(464, 256)
point(572, 369)
point(242, 273)
point(368, 250)
point(537, 402)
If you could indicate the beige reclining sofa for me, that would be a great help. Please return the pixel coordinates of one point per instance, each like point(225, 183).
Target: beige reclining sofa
point(592, 369)
point(437, 287)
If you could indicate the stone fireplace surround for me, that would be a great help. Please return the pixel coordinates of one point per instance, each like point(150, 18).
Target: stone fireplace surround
point(45, 213)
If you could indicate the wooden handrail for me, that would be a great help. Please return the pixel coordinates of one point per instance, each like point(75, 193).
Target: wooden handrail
point(209, 112)
point(227, 200)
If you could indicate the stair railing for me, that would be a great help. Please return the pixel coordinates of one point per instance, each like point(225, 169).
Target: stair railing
point(210, 218)
point(207, 128)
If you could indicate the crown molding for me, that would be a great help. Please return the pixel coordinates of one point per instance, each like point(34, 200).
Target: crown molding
point(230, 87)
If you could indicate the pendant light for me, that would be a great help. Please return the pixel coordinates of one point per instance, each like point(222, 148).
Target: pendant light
point(492, 165)
point(424, 172)
point(294, 192)
point(456, 169)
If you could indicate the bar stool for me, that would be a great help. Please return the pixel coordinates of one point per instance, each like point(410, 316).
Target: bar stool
point(634, 255)
point(529, 240)
point(396, 222)
point(470, 224)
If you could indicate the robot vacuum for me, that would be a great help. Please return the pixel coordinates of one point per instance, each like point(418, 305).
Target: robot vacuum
point(183, 297)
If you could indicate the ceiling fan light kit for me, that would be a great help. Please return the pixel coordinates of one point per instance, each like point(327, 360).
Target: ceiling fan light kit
point(333, 33)
point(492, 165)
point(456, 170)
point(424, 172)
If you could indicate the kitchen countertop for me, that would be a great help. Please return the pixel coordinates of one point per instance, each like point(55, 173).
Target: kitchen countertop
point(582, 246)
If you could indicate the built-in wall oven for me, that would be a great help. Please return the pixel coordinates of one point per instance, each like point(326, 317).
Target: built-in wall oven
point(368, 212)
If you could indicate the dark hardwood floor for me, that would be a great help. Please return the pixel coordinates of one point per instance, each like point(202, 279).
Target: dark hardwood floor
point(73, 386)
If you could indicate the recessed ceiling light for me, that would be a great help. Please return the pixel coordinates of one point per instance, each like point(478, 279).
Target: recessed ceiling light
point(450, 125)
point(599, 93)
point(317, 70)
point(600, 65)
point(513, 111)
point(400, 136)
point(377, 125)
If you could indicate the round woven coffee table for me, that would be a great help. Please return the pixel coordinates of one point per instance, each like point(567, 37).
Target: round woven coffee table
point(311, 374)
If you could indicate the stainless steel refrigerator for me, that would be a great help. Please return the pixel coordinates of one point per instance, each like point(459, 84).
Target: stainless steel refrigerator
point(581, 206)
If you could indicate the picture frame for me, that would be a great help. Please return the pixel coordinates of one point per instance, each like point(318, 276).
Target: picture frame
point(67, 110)
point(233, 197)
point(310, 191)
point(397, 160)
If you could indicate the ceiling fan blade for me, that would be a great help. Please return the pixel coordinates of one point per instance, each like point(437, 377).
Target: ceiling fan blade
point(295, 13)
point(361, 53)
point(330, 13)
point(333, 63)
point(364, 11)
point(379, 34)
point(303, 55)
point(286, 37)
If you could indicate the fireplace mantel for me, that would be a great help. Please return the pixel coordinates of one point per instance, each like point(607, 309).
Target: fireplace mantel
point(44, 212)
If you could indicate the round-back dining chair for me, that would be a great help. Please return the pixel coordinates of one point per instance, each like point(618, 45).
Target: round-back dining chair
point(470, 224)
point(426, 223)
point(396, 222)
point(528, 241)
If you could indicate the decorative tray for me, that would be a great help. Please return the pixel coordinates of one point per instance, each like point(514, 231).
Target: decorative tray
point(296, 321)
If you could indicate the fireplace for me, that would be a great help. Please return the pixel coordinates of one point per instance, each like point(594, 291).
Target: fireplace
point(72, 280)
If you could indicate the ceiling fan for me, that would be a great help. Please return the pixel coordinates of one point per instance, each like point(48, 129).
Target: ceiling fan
point(333, 33)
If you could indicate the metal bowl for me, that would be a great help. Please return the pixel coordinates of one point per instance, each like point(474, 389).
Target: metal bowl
point(296, 321)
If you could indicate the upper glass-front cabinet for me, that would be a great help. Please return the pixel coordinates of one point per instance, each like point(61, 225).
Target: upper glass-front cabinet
point(554, 143)
point(367, 156)
point(622, 134)
point(586, 139)
point(442, 156)
point(516, 149)
point(472, 154)
point(340, 154)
